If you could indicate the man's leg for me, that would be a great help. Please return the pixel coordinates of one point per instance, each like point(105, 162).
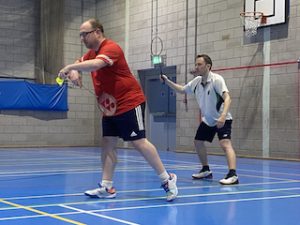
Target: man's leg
point(109, 157)
point(231, 177)
point(149, 152)
point(204, 133)
point(202, 154)
point(229, 152)
point(109, 161)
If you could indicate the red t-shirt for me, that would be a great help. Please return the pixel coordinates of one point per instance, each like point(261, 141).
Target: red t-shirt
point(117, 89)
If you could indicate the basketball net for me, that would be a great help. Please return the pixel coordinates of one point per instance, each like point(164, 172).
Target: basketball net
point(251, 21)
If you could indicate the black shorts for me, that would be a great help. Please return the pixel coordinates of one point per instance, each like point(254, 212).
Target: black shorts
point(207, 133)
point(129, 125)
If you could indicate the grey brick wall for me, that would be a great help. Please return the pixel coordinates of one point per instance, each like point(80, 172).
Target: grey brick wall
point(78, 126)
point(18, 37)
point(219, 34)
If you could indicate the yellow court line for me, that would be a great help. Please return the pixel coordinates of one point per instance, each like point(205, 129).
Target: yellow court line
point(40, 212)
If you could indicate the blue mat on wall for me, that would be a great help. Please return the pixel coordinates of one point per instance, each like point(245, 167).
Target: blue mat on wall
point(23, 95)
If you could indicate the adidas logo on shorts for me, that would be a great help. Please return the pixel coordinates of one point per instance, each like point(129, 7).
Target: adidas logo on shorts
point(133, 134)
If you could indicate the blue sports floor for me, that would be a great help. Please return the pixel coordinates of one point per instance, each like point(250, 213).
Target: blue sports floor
point(45, 186)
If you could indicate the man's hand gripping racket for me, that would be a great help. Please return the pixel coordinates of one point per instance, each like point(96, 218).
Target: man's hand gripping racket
point(73, 75)
point(163, 78)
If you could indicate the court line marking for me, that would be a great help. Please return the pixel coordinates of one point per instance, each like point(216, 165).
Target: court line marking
point(192, 195)
point(97, 215)
point(162, 205)
point(198, 203)
point(135, 157)
point(132, 169)
point(88, 170)
point(58, 153)
point(128, 158)
point(153, 189)
point(157, 198)
point(41, 212)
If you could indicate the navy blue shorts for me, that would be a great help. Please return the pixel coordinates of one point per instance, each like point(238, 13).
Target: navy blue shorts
point(129, 125)
point(207, 133)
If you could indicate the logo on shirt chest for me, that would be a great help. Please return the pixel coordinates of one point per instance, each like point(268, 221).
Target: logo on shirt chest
point(204, 91)
point(108, 104)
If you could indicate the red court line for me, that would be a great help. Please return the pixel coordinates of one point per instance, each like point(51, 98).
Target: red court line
point(257, 66)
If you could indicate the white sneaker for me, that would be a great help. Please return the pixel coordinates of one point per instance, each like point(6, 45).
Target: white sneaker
point(207, 174)
point(170, 187)
point(229, 180)
point(101, 192)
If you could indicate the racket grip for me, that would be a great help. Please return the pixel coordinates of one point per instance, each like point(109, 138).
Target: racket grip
point(163, 79)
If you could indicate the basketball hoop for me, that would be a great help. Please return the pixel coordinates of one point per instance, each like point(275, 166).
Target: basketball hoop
point(251, 21)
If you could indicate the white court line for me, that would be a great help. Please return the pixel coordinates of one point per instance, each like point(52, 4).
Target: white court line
point(198, 203)
point(134, 169)
point(97, 215)
point(94, 152)
point(48, 163)
point(75, 163)
point(162, 205)
point(82, 170)
point(263, 177)
point(138, 159)
point(62, 161)
point(269, 172)
point(46, 158)
point(157, 198)
point(150, 190)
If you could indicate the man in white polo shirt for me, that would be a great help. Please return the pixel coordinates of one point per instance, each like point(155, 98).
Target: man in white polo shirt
point(214, 101)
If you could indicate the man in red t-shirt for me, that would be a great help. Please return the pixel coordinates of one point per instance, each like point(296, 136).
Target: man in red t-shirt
point(122, 102)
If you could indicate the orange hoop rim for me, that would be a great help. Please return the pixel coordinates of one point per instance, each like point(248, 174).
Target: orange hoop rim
point(251, 14)
point(256, 15)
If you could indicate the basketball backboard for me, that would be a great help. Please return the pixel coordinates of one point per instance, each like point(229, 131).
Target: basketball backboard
point(274, 10)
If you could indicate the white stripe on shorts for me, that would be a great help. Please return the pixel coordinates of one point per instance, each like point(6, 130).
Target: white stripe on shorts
point(139, 117)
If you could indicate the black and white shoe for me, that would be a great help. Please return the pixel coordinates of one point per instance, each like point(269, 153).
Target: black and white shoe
point(203, 174)
point(230, 179)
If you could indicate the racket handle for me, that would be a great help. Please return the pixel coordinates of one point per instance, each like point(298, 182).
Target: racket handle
point(163, 79)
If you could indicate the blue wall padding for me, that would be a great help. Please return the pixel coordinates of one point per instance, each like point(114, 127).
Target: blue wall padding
point(23, 95)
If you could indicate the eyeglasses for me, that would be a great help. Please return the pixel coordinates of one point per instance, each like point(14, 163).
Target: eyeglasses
point(84, 34)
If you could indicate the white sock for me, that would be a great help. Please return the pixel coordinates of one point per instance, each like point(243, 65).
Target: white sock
point(164, 176)
point(107, 183)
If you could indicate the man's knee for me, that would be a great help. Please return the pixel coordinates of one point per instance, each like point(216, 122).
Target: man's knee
point(226, 144)
point(140, 143)
point(199, 144)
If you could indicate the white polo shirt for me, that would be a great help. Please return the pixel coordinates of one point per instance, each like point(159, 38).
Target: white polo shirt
point(209, 97)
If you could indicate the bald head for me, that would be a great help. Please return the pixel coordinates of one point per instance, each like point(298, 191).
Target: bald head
point(91, 33)
point(93, 24)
